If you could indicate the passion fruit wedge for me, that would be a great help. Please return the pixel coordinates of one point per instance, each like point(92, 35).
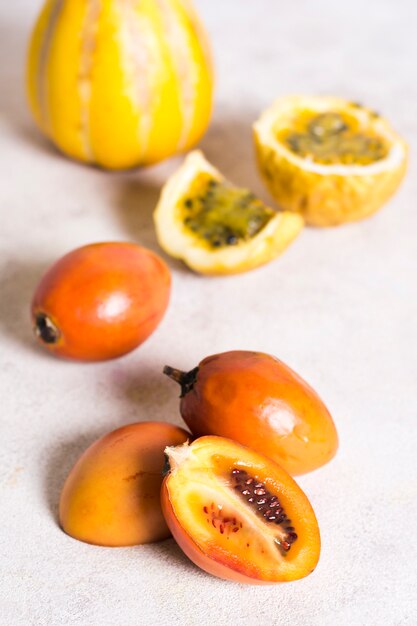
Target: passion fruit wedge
point(237, 514)
point(216, 228)
point(328, 159)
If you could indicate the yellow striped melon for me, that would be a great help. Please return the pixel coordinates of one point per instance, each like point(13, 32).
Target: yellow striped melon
point(120, 83)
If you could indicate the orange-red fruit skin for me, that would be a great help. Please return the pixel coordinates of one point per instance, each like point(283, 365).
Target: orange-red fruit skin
point(112, 494)
point(105, 299)
point(238, 568)
point(257, 400)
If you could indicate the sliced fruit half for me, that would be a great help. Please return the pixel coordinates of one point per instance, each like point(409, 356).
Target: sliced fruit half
point(330, 160)
point(237, 514)
point(216, 228)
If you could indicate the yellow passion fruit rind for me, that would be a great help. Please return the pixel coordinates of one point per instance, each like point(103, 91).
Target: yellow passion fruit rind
point(330, 160)
point(216, 228)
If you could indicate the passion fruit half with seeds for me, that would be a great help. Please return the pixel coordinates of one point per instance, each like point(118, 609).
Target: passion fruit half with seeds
point(216, 228)
point(257, 400)
point(237, 514)
point(328, 159)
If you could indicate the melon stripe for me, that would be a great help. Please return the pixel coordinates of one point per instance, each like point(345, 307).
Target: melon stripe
point(179, 46)
point(33, 73)
point(136, 44)
point(67, 76)
point(198, 56)
point(88, 39)
point(55, 9)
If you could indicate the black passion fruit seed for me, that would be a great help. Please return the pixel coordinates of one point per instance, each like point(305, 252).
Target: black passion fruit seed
point(332, 138)
point(222, 215)
point(327, 125)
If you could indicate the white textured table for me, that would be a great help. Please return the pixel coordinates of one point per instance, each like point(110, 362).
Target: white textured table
point(339, 306)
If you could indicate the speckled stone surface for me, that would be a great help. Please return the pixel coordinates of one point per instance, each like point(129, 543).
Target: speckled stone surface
point(339, 307)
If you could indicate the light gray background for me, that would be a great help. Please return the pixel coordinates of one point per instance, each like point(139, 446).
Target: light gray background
point(339, 307)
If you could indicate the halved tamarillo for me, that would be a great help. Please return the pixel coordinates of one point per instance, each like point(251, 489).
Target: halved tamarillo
point(112, 494)
point(260, 402)
point(237, 514)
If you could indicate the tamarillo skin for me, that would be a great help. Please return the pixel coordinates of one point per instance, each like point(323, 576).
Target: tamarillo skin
point(100, 301)
point(112, 494)
point(258, 401)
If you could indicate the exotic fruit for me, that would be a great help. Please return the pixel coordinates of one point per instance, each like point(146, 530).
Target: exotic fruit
point(120, 84)
point(237, 514)
point(328, 159)
point(112, 494)
point(216, 228)
point(100, 301)
point(260, 402)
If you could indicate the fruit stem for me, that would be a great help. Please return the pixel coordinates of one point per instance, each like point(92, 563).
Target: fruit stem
point(185, 379)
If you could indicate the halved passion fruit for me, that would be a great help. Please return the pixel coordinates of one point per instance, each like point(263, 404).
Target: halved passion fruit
point(216, 228)
point(237, 514)
point(328, 159)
